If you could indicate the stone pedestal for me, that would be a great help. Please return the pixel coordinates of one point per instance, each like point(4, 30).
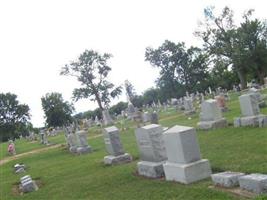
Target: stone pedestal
point(187, 173)
point(210, 116)
point(227, 179)
point(184, 163)
point(256, 183)
point(120, 159)
point(255, 121)
point(221, 123)
point(150, 169)
point(152, 150)
point(114, 147)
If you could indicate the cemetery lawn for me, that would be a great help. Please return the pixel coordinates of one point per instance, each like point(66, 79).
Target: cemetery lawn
point(62, 175)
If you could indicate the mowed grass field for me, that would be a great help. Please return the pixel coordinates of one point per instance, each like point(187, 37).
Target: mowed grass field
point(66, 176)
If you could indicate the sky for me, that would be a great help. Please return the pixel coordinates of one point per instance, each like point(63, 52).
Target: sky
point(38, 37)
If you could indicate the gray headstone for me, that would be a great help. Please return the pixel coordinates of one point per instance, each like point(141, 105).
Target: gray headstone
point(249, 105)
point(107, 118)
point(226, 179)
point(150, 143)
point(210, 111)
point(256, 183)
point(112, 141)
point(154, 118)
point(181, 144)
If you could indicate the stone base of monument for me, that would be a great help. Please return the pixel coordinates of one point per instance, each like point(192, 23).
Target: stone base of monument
point(256, 183)
point(84, 150)
point(189, 112)
point(257, 121)
point(187, 173)
point(226, 179)
point(73, 149)
point(150, 169)
point(114, 160)
point(206, 125)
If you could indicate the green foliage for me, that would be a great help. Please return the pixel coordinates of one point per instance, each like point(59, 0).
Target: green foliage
point(91, 70)
point(116, 109)
point(13, 117)
point(57, 111)
point(181, 69)
point(242, 47)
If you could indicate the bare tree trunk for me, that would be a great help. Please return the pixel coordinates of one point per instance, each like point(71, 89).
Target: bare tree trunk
point(243, 79)
point(260, 75)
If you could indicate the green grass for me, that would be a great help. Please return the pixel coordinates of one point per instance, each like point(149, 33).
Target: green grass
point(65, 176)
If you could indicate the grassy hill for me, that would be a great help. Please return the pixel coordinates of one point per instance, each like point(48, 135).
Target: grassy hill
point(66, 176)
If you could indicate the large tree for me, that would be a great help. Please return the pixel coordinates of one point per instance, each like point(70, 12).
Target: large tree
point(181, 69)
point(91, 70)
point(242, 48)
point(14, 117)
point(57, 111)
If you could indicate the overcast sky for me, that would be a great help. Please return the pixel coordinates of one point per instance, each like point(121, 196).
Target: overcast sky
point(37, 38)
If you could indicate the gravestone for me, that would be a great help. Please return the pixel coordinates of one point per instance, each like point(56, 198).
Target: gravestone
point(256, 183)
point(250, 112)
point(27, 184)
point(82, 144)
point(72, 142)
point(152, 150)
point(226, 179)
point(19, 168)
point(220, 100)
point(188, 106)
point(184, 162)
point(258, 96)
point(154, 119)
point(114, 147)
point(130, 110)
point(107, 118)
point(146, 117)
point(210, 116)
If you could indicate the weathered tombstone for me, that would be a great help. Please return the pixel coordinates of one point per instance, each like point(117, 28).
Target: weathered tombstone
point(107, 118)
point(174, 101)
point(220, 100)
point(184, 162)
point(137, 117)
point(130, 110)
point(256, 183)
point(114, 147)
point(258, 96)
point(152, 150)
point(19, 168)
point(82, 146)
point(154, 118)
point(210, 116)
point(188, 106)
point(265, 81)
point(146, 117)
point(250, 112)
point(226, 179)
point(72, 142)
point(27, 184)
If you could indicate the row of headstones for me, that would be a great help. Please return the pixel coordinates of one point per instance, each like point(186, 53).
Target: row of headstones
point(256, 183)
point(26, 182)
point(175, 154)
point(211, 116)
